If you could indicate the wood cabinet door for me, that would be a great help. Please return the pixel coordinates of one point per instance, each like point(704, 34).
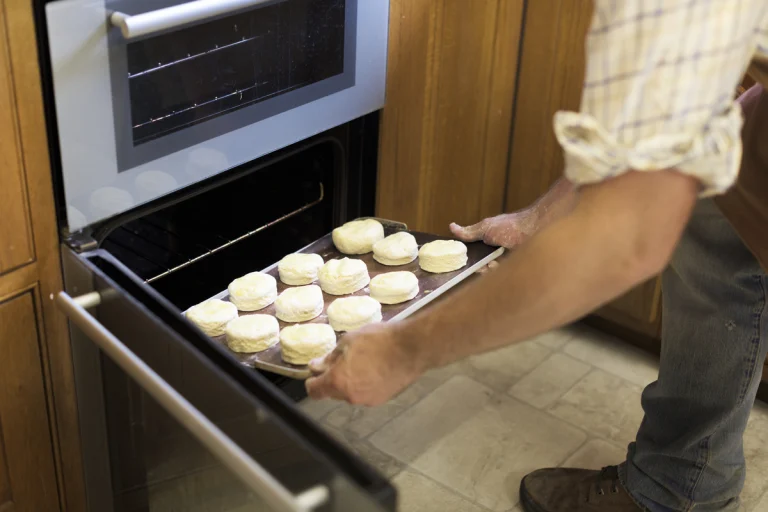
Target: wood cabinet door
point(15, 230)
point(445, 127)
point(27, 475)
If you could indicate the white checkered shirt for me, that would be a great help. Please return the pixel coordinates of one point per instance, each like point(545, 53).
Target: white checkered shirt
point(659, 89)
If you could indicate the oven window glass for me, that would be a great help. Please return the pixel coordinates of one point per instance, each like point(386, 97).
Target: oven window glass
point(189, 85)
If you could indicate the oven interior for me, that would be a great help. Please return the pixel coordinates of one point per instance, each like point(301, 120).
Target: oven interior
point(190, 245)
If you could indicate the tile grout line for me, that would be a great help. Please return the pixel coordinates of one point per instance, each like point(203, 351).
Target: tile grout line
point(561, 395)
point(446, 488)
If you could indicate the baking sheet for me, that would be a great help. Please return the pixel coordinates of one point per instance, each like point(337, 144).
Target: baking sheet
point(431, 286)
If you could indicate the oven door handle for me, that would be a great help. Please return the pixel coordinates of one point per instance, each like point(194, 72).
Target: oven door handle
point(152, 22)
point(247, 469)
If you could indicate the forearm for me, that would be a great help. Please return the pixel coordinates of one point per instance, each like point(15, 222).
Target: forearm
point(557, 202)
point(570, 268)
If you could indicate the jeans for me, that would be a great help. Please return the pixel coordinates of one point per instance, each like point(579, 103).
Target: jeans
point(688, 452)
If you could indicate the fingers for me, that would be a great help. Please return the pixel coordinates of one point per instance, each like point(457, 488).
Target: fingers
point(321, 387)
point(323, 364)
point(469, 233)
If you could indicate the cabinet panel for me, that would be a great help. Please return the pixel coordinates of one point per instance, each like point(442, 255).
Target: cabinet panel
point(27, 476)
point(15, 233)
point(445, 128)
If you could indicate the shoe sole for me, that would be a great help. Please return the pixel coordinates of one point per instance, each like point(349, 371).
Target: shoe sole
point(527, 502)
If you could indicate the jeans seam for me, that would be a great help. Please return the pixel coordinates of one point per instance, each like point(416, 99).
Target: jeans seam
point(757, 314)
point(701, 465)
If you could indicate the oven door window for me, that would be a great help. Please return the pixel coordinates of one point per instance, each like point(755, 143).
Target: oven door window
point(179, 88)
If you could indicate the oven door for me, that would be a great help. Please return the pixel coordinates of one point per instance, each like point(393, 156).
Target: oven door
point(154, 95)
point(169, 421)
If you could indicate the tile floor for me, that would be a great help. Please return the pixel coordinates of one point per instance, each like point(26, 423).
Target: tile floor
point(462, 437)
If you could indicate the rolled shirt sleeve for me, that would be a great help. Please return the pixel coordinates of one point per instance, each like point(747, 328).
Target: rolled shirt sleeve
point(659, 87)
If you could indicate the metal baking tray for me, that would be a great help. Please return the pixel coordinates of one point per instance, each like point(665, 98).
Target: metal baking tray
point(431, 286)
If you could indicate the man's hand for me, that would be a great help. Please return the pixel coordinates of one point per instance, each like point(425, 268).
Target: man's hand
point(507, 230)
point(369, 367)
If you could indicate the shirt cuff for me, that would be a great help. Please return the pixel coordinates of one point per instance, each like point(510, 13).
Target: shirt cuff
point(711, 154)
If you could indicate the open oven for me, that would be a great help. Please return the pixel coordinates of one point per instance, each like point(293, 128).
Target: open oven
point(193, 142)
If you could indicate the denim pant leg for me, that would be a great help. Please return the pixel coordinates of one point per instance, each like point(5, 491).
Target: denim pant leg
point(689, 451)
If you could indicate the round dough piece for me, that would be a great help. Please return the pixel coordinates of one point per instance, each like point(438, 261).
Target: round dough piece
point(300, 268)
point(358, 236)
point(398, 249)
point(351, 313)
point(344, 276)
point(253, 291)
point(252, 333)
point(212, 316)
point(299, 304)
point(442, 256)
point(302, 343)
point(394, 287)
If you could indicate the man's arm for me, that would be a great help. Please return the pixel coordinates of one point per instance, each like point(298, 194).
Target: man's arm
point(511, 229)
point(620, 233)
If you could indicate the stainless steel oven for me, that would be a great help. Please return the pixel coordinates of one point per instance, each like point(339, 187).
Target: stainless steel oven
point(154, 95)
point(193, 142)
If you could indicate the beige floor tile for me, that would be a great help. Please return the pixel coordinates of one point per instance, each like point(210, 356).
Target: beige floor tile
point(486, 456)
point(502, 368)
point(363, 421)
point(613, 355)
point(596, 454)
point(419, 494)
point(549, 381)
point(603, 405)
point(437, 415)
point(388, 466)
point(762, 505)
point(318, 409)
point(555, 339)
point(756, 453)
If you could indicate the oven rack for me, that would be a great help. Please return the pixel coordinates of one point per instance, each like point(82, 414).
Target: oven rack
point(139, 240)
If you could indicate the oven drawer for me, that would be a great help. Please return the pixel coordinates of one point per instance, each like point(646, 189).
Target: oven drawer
point(170, 421)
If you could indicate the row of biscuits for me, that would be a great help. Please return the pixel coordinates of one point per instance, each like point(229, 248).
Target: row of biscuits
point(301, 343)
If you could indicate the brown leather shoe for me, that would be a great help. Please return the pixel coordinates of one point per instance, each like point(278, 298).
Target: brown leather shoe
point(575, 490)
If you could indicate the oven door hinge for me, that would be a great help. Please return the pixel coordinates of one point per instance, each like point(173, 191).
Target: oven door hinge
point(81, 242)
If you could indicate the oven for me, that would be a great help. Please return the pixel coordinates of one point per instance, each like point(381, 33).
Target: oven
point(191, 143)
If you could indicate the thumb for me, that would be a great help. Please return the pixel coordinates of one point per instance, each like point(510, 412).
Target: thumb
point(469, 233)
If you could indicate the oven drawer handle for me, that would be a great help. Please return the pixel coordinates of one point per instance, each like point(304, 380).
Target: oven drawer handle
point(133, 26)
point(248, 470)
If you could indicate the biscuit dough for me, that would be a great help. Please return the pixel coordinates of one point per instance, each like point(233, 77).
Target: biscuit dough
point(300, 268)
point(442, 256)
point(252, 333)
point(253, 291)
point(302, 343)
point(212, 316)
point(358, 236)
point(350, 313)
point(299, 304)
point(394, 287)
point(398, 249)
point(344, 276)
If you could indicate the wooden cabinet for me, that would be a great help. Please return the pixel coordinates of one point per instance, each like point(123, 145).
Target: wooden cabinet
point(450, 94)
point(39, 442)
point(27, 474)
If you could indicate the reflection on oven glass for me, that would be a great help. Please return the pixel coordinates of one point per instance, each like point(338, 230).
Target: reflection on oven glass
point(183, 78)
point(108, 201)
point(152, 184)
point(205, 161)
point(75, 218)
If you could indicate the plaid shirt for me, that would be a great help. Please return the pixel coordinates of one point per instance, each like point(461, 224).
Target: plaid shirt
point(659, 87)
